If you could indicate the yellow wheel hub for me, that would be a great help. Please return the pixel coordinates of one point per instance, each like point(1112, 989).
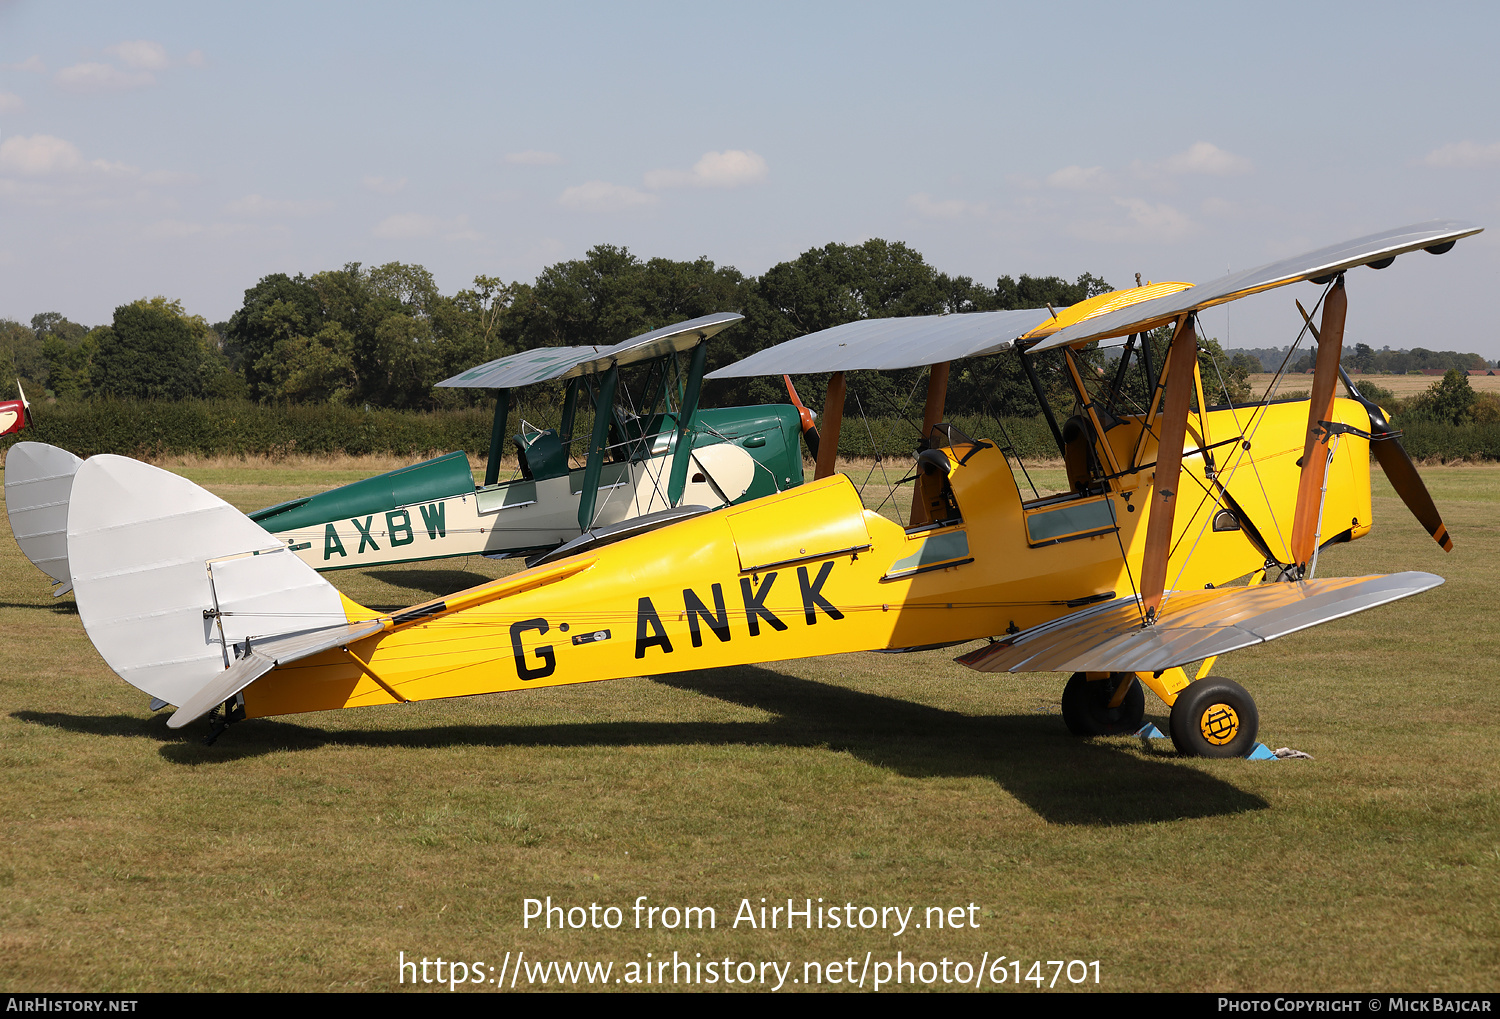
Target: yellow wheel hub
point(1219, 724)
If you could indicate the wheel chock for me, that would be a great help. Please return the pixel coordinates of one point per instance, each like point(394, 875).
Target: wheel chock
point(1262, 753)
point(1149, 731)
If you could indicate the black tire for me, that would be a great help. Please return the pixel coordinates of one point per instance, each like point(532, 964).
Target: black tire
point(1086, 710)
point(1214, 717)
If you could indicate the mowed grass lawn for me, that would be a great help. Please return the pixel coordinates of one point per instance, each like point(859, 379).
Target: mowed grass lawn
point(306, 852)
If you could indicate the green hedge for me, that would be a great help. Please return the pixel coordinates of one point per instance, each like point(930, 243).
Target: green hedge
point(148, 429)
point(860, 437)
point(1428, 440)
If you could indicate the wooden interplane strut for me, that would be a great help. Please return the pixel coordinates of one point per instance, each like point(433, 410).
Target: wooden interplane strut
point(833, 418)
point(1319, 415)
point(1171, 433)
point(928, 487)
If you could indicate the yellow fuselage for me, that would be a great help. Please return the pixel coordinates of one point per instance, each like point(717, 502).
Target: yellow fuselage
point(811, 572)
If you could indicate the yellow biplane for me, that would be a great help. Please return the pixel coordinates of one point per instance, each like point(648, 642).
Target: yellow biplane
point(1122, 580)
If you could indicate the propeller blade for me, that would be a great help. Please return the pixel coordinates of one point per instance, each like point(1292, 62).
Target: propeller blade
point(1404, 478)
point(809, 419)
point(1385, 444)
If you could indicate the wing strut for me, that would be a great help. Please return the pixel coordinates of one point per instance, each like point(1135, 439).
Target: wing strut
point(1320, 410)
point(833, 418)
point(923, 492)
point(1181, 359)
point(604, 408)
point(497, 438)
point(684, 449)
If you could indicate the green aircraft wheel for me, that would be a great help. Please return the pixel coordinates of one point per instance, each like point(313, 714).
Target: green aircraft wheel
point(1086, 710)
point(1214, 717)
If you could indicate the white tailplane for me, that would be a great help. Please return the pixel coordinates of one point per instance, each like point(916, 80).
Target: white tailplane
point(175, 586)
point(38, 481)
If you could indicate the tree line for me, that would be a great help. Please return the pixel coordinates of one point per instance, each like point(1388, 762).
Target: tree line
point(381, 336)
point(1363, 358)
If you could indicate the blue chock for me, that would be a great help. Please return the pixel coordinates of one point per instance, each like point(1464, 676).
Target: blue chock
point(1261, 753)
point(1150, 731)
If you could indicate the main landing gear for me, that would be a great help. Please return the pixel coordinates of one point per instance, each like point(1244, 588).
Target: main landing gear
point(1214, 717)
point(1099, 707)
point(1211, 717)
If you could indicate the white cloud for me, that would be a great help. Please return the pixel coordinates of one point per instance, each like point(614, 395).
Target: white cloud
point(39, 155)
point(43, 169)
point(32, 64)
point(602, 196)
point(1465, 155)
point(172, 229)
point(140, 54)
point(11, 103)
point(731, 168)
point(950, 209)
point(169, 177)
point(1205, 157)
point(1160, 222)
point(385, 185)
point(406, 225)
point(101, 78)
point(1078, 178)
point(412, 225)
point(258, 206)
point(177, 230)
point(1214, 206)
point(533, 157)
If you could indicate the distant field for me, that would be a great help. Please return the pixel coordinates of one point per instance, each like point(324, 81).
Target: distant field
point(1400, 385)
point(306, 852)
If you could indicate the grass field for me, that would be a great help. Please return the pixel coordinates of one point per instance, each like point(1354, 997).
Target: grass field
point(305, 853)
point(1403, 386)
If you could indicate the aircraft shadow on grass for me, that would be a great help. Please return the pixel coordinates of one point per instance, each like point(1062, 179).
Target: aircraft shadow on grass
point(437, 583)
point(61, 607)
point(1065, 780)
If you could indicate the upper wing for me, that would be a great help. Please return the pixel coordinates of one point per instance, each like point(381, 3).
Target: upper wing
point(1376, 250)
point(887, 343)
point(1200, 624)
point(893, 343)
point(521, 369)
point(666, 340)
point(546, 363)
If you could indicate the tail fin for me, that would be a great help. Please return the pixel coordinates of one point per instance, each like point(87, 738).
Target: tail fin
point(175, 586)
point(38, 480)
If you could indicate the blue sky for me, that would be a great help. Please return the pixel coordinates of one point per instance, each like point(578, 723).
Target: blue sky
point(189, 149)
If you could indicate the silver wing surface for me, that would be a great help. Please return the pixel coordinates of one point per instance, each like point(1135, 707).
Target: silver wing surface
point(889, 343)
point(1378, 250)
point(1194, 625)
point(546, 363)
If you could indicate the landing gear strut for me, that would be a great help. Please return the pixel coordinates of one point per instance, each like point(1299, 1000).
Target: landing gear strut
point(1086, 705)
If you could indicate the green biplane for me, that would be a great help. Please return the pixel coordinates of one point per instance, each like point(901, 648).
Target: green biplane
point(652, 456)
